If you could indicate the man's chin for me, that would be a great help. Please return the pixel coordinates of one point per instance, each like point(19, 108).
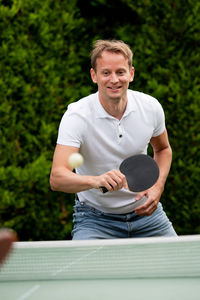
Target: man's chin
point(115, 97)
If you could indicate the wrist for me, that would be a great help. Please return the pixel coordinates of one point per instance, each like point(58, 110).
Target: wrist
point(91, 181)
point(160, 185)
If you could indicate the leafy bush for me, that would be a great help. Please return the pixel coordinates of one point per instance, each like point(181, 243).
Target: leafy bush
point(44, 65)
point(40, 75)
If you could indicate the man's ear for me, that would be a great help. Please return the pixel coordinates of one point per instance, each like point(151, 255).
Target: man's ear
point(132, 74)
point(93, 75)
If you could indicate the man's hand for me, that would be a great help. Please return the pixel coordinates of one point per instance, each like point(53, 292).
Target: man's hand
point(153, 197)
point(113, 180)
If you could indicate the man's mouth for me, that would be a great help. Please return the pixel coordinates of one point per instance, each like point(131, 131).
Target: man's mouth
point(114, 88)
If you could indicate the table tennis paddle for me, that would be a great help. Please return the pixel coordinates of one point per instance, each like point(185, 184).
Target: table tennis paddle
point(7, 237)
point(141, 172)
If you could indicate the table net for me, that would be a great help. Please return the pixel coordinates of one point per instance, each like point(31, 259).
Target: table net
point(104, 259)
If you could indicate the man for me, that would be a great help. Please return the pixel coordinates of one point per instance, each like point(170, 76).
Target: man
point(105, 128)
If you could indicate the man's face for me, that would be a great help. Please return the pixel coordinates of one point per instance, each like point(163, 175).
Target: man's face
point(112, 76)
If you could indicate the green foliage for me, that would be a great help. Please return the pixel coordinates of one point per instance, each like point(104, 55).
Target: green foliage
point(44, 65)
point(28, 206)
point(40, 75)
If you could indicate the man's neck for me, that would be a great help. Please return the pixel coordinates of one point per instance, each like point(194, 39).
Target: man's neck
point(114, 107)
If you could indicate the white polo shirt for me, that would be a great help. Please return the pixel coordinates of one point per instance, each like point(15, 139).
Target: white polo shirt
point(104, 141)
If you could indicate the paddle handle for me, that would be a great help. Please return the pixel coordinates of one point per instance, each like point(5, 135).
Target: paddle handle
point(103, 189)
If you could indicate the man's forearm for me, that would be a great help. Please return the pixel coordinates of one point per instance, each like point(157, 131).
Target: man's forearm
point(69, 182)
point(164, 160)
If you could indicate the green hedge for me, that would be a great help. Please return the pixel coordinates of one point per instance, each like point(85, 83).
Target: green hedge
point(44, 65)
point(40, 74)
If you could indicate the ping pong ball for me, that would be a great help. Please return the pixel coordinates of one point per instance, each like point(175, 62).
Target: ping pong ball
point(75, 160)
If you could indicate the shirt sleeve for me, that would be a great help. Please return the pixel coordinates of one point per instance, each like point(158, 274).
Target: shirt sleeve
point(71, 129)
point(159, 119)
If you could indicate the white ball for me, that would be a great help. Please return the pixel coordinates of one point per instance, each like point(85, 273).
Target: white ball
point(75, 160)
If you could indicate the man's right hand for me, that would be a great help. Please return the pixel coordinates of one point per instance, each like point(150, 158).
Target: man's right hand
point(113, 180)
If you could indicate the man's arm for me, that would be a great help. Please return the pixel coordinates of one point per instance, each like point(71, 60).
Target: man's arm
point(63, 178)
point(163, 157)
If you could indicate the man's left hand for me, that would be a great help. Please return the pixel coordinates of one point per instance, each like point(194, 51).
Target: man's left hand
point(153, 197)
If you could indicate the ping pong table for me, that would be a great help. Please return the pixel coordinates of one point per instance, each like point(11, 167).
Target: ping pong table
point(145, 268)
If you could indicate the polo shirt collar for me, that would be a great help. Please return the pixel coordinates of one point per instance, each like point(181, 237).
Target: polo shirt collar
point(101, 113)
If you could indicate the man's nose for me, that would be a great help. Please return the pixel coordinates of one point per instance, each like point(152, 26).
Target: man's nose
point(114, 78)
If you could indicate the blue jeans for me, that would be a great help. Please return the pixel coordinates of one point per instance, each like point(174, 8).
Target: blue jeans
point(90, 224)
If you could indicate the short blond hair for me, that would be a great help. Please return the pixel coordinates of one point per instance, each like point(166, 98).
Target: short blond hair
point(116, 46)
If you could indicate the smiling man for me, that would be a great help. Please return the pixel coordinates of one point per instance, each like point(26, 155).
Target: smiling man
point(112, 76)
point(106, 127)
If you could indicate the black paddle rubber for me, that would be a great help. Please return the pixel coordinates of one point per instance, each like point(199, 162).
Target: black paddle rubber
point(141, 172)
